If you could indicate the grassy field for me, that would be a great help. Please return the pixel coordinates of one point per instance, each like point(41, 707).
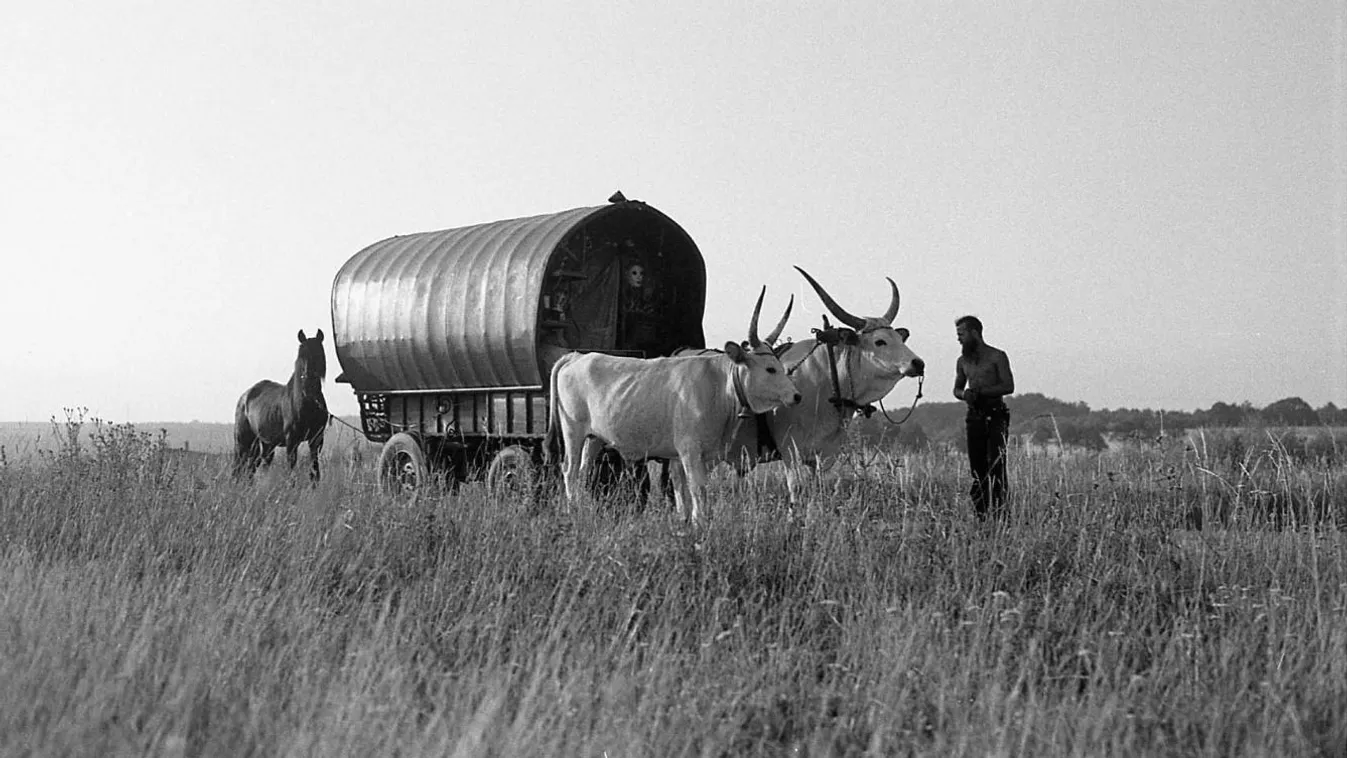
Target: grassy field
point(153, 606)
point(23, 441)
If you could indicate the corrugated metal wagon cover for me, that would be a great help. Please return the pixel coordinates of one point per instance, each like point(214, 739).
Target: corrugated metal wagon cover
point(447, 310)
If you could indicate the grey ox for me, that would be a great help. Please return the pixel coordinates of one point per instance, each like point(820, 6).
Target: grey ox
point(686, 410)
point(869, 356)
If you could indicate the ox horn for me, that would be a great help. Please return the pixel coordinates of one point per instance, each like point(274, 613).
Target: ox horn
point(833, 307)
point(753, 340)
point(772, 336)
point(893, 304)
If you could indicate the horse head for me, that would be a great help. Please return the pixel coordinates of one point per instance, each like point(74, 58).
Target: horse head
point(311, 362)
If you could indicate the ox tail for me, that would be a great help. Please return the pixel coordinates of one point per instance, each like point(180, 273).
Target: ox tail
point(552, 451)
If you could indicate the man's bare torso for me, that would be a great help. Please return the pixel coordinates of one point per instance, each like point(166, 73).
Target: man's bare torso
point(982, 371)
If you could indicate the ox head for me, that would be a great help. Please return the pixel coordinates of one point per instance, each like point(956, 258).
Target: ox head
point(879, 355)
point(759, 378)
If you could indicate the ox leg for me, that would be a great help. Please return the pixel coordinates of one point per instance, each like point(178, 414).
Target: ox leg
point(640, 476)
point(589, 449)
point(679, 480)
point(570, 462)
point(793, 483)
point(694, 467)
point(795, 475)
point(292, 455)
point(665, 483)
point(571, 444)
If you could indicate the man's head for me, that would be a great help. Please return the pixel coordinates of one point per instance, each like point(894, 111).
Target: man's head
point(635, 275)
point(968, 329)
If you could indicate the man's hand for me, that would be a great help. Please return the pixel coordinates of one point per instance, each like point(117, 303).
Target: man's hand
point(970, 395)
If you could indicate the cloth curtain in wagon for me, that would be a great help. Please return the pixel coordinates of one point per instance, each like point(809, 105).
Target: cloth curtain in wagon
point(580, 308)
point(593, 312)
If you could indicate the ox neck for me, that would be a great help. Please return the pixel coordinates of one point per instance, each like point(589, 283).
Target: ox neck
point(834, 363)
point(745, 409)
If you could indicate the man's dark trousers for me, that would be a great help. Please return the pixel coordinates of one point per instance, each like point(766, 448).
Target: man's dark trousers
point(988, 427)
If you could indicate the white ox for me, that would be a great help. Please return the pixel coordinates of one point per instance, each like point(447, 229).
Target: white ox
point(870, 357)
point(685, 410)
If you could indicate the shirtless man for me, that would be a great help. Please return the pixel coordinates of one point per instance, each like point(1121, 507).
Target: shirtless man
point(981, 378)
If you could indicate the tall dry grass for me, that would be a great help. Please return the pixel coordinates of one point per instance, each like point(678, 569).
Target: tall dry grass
point(154, 606)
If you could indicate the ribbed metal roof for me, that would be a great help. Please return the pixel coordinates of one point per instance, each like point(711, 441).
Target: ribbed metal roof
point(454, 309)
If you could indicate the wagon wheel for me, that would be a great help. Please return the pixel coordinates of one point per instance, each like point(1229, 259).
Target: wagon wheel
point(402, 465)
point(512, 473)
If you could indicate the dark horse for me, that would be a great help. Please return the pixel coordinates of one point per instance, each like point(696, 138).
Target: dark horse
point(271, 415)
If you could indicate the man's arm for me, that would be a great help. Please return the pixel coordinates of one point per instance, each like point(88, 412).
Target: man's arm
point(960, 379)
point(1005, 381)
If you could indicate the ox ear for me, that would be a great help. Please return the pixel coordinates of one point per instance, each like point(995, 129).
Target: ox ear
point(735, 352)
point(319, 336)
point(903, 333)
point(301, 335)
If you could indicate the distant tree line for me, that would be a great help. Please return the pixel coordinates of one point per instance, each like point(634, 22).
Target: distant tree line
point(1047, 420)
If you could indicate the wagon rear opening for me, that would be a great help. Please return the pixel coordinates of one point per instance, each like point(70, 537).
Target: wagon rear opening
point(623, 285)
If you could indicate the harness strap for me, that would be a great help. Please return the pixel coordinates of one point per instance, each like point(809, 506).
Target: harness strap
point(828, 337)
point(921, 381)
point(745, 410)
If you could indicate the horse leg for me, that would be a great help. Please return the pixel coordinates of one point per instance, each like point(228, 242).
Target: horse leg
point(243, 460)
point(250, 459)
point(315, 447)
point(245, 445)
point(262, 453)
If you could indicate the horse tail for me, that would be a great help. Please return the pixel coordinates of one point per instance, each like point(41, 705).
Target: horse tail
point(245, 437)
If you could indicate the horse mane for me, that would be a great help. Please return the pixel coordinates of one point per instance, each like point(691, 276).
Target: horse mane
point(311, 352)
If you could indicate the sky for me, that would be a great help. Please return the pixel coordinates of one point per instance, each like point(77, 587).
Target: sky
point(1144, 202)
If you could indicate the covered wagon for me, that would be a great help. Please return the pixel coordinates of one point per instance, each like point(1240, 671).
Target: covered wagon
point(448, 337)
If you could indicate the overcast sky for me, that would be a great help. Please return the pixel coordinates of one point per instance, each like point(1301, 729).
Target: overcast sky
point(1144, 202)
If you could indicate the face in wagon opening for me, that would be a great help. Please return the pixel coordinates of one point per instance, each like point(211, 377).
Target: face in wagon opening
point(636, 276)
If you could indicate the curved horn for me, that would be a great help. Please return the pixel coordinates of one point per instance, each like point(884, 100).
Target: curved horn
point(772, 336)
point(833, 307)
point(893, 304)
point(753, 340)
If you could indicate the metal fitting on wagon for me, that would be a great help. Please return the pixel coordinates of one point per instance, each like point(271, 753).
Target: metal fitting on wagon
point(448, 337)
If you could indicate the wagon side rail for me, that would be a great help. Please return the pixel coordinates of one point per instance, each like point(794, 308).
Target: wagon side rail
point(459, 414)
